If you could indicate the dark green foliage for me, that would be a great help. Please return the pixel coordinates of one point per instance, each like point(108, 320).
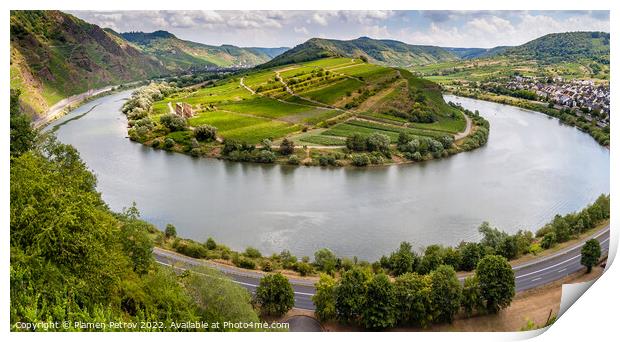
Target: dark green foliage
point(205, 133)
point(350, 294)
point(22, 134)
point(357, 142)
point(402, 261)
point(413, 297)
point(303, 268)
point(471, 296)
point(380, 309)
point(287, 147)
point(210, 244)
point(325, 298)
point(471, 253)
point(497, 282)
point(252, 252)
point(325, 260)
point(244, 262)
point(173, 122)
point(171, 231)
point(360, 159)
point(446, 294)
point(590, 254)
point(190, 248)
point(275, 295)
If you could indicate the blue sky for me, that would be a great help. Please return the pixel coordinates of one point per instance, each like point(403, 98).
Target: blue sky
point(289, 28)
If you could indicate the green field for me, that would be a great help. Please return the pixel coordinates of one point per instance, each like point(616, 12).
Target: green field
point(342, 82)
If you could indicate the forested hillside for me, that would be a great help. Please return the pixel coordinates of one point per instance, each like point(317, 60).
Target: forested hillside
point(386, 52)
point(73, 260)
point(55, 55)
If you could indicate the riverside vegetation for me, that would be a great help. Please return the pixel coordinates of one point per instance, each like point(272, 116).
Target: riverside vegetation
point(74, 260)
point(341, 111)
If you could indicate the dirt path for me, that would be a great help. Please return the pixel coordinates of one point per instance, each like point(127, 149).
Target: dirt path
point(290, 91)
point(459, 136)
point(246, 87)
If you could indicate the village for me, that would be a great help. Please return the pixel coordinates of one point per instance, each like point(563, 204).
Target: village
point(584, 97)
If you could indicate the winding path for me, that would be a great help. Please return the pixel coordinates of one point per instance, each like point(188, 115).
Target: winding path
point(459, 136)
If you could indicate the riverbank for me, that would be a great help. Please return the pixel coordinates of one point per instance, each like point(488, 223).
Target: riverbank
point(64, 106)
point(600, 134)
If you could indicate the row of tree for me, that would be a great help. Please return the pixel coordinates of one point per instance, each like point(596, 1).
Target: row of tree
point(376, 302)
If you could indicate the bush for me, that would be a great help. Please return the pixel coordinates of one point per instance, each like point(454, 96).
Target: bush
point(325, 298)
point(275, 295)
point(293, 160)
point(171, 231)
point(325, 260)
point(360, 159)
point(210, 244)
point(168, 143)
point(243, 262)
point(191, 249)
point(303, 268)
point(548, 240)
point(252, 252)
point(287, 147)
point(173, 122)
point(205, 133)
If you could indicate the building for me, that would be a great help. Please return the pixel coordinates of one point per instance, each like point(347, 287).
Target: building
point(184, 110)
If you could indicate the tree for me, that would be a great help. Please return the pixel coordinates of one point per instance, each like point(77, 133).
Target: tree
point(403, 260)
point(508, 247)
point(431, 260)
point(351, 294)
point(287, 147)
point(275, 295)
point(470, 255)
point(173, 122)
point(22, 134)
point(497, 282)
point(590, 254)
point(356, 142)
point(171, 231)
point(548, 240)
point(445, 294)
point(378, 142)
point(380, 309)
point(210, 244)
point(137, 244)
point(205, 133)
point(471, 296)
point(491, 237)
point(324, 298)
point(413, 297)
point(325, 260)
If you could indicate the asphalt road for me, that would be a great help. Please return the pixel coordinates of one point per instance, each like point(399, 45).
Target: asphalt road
point(529, 275)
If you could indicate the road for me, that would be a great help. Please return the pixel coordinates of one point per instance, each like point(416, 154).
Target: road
point(529, 275)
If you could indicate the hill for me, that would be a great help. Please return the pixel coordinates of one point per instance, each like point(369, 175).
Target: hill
point(177, 54)
point(55, 55)
point(564, 47)
point(384, 52)
point(328, 104)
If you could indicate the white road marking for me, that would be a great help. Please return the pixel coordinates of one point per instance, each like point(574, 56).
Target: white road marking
point(539, 278)
point(234, 281)
point(562, 270)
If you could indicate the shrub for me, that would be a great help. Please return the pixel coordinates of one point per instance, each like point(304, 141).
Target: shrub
point(590, 254)
point(168, 143)
point(303, 268)
point(205, 133)
point(173, 122)
point(191, 249)
point(252, 252)
point(360, 159)
point(243, 262)
point(170, 231)
point(287, 147)
point(293, 160)
point(210, 244)
point(275, 295)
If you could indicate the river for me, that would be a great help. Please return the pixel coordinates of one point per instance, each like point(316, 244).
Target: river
point(532, 168)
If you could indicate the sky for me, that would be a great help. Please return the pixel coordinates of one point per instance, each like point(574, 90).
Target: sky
point(483, 29)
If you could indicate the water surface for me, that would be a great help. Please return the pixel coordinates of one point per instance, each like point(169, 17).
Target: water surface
point(532, 168)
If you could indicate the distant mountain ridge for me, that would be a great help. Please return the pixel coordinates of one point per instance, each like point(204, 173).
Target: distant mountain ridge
point(177, 54)
point(386, 52)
